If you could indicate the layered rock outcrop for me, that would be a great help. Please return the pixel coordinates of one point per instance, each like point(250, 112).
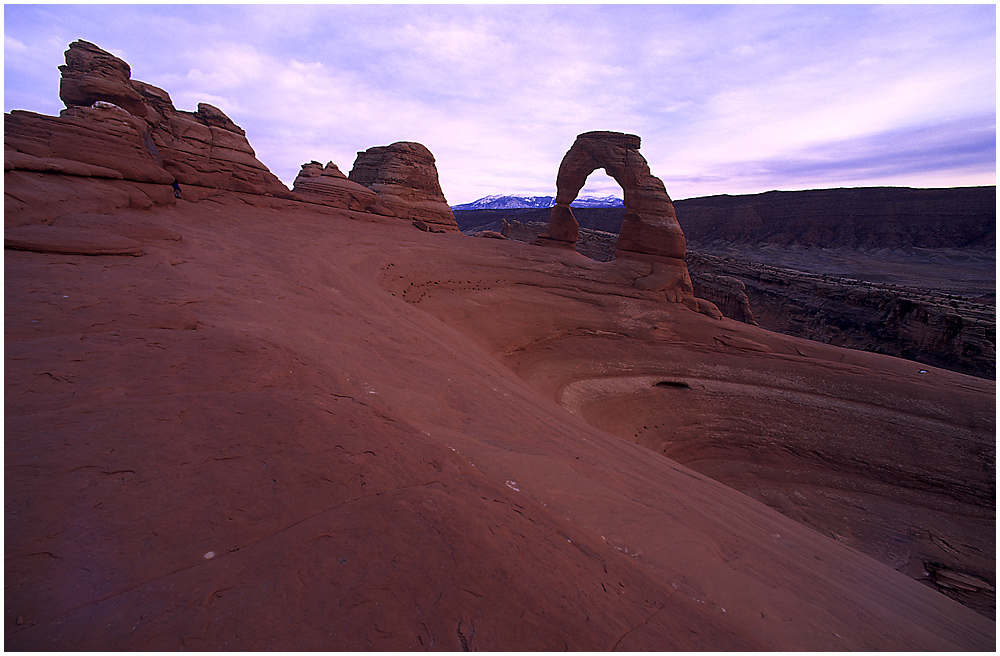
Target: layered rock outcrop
point(124, 143)
point(237, 441)
point(405, 177)
point(932, 305)
point(941, 329)
point(727, 292)
point(860, 219)
point(91, 75)
point(327, 185)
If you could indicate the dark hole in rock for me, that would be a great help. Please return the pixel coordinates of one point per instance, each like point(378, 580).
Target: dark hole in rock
point(672, 383)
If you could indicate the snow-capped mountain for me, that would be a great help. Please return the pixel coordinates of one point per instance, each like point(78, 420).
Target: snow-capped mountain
point(510, 202)
point(597, 201)
point(506, 202)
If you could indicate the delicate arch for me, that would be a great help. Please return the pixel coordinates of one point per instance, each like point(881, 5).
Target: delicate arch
point(650, 225)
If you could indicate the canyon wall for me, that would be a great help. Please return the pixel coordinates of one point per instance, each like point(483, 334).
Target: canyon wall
point(869, 218)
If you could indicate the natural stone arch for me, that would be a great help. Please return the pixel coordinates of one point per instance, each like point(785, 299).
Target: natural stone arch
point(649, 226)
point(651, 245)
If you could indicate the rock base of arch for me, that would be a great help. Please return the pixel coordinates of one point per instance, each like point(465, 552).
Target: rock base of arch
point(545, 239)
point(667, 276)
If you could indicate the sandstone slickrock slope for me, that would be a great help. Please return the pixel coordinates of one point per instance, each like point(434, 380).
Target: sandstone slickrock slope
point(405, 177)
point(240, 441)
point(261, 447)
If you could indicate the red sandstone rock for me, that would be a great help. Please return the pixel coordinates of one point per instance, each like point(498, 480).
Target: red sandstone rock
point(562, 225)
point(203, 148)
point(405, 177)
point(649, 230)
point(728, 291)
point(231, 443)
point(240, 442)
point(69, 241)
point(36, 198)
point(328, 186)
point(126, 142)
point(15, 161)
point(650, 226)
point(106, 138)
point(92, 74)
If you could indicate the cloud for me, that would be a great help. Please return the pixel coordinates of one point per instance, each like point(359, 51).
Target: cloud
point(950, 153)
point(499, 92)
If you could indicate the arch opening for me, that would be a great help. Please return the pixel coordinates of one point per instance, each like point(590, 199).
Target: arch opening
point(649, 226)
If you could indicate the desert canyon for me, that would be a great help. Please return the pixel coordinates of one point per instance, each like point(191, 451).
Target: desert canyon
point(255, 418)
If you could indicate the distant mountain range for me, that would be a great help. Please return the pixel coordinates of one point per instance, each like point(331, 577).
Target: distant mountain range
point(860, 218)
point(508, 202)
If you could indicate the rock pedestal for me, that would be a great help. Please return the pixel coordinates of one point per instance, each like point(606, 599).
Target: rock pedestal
point(564, 230)
point(93, 75)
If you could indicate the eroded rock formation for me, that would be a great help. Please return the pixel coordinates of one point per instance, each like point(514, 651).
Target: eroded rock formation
point(651, 244)
point(650, 225)
point(124, 143)
point(91, 75)
point(405, 177)
point(237, 441)
point(329, 186)
point(728, 293)
point(941, 329)
point(934, 305)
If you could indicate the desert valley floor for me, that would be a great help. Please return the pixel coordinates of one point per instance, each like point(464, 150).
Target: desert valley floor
point(287, 426)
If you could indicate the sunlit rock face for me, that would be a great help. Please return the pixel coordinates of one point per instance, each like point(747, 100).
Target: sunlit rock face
point(405, 177)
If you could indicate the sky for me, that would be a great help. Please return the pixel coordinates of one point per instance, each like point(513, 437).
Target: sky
point(727, 98)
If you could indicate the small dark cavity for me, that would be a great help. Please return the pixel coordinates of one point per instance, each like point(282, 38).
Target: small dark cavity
point(673, 383)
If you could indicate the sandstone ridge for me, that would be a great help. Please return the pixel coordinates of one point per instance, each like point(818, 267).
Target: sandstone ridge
point(202, 148)
point(122, 143)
